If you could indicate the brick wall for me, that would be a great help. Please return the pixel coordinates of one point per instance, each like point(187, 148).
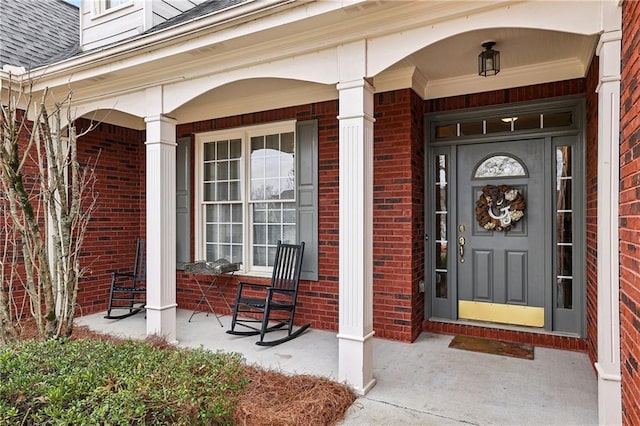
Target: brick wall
point(499, 97)
point(317, 300)
point(398, 215)
point(418, 207)
point(591, 219)
point(630, 214)
point(120, 213)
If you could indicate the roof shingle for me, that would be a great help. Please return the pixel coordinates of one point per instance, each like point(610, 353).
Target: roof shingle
point(37, 32)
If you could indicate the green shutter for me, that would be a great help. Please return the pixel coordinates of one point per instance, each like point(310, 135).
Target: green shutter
point(307, 199)
point(183, 202)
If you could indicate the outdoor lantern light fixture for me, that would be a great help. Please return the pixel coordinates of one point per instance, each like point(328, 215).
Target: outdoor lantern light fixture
point(489, 60)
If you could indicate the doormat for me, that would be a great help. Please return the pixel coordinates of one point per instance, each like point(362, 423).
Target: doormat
point(495, 347)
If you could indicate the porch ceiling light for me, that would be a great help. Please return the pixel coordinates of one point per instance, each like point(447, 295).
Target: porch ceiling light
point(489, 60)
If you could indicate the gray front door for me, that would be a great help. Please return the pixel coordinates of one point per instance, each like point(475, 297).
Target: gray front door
point(501, 273)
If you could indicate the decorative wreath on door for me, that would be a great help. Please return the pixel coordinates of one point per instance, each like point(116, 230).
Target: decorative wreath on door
point(499, 208)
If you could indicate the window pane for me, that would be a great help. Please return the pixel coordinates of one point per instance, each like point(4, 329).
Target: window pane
point(472, 128)
point(260, 234)
point(223, 150)
point(223, 171)
point(287, 142)
point(235, 148)
point(257, 143)
point(257, 190)
point(564, 227)
point(527, 122)
point(558, 119)
point(212, 232)
point(441, 285)
point(259, 256)
point(273, 142)
point(222, 191)
point(212, 252)
point(441, 255)
point(565, 261)
point(499, 166)
point(209, 192)
point(236, 253)
point(220, 232)
point(225, 233)
point(209, 151)
point(236, 213)
point(289, 216)
point(234, 169)
point(565, 293)
point(272, 189)
point(275, 215)
point(495, 125)
point(289, 234)
point(441, 227)
point(236, 233)
point(234, 191)
point(209, 171)
point(271, 253)
point(446, 131)
point(275, 234)
point(272, 167)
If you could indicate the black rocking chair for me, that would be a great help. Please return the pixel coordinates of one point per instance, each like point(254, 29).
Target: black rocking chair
point(251, 310)
point(128, 289)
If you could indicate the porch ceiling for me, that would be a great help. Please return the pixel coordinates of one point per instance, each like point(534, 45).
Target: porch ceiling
point(527, 56)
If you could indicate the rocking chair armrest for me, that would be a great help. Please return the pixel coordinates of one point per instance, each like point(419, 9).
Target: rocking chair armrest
point(122, 274)
point(280, 290)
point(242, 284)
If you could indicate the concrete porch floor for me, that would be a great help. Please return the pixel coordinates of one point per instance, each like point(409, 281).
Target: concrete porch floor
point(422, 383)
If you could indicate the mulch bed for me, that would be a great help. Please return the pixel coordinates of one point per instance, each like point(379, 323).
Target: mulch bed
point(270, 398)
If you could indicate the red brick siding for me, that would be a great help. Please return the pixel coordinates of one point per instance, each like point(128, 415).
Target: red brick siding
point(498, 97)
point(120, 213)
point(418, 209)
point(395, 286)
point(505, 96)
point(591, 219)
point(630, 214)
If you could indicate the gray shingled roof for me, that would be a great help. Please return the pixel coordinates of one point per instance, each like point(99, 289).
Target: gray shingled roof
point(202, 9)
point(37, 32)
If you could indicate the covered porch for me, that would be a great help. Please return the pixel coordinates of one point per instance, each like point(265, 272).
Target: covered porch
point(424, 382)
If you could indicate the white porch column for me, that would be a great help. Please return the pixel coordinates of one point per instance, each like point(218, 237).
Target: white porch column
point(355, 334)
point(161, 226)
point(608, 364)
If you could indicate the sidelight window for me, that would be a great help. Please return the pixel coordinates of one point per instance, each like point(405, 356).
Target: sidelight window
point(564, 227)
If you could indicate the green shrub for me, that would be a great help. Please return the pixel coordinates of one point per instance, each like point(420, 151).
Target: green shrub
point(94, 382)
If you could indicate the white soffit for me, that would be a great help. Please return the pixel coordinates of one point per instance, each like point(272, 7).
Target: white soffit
point(527, 56)
point(250, 96)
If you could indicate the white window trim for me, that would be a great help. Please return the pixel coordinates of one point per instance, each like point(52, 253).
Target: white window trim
point(100, 10)
point(244, 134)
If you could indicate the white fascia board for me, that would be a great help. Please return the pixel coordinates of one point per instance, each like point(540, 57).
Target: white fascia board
point(157, 45)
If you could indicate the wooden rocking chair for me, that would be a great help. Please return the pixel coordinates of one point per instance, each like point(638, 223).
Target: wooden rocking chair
point(250, 309)
point(128, 289)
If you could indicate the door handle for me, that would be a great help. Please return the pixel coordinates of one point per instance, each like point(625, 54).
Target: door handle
point(461, 242)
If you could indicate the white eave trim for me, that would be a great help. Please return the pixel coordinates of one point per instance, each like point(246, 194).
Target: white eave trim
point(144, 41)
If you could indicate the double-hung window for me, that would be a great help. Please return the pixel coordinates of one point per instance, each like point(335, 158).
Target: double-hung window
point(246, 194)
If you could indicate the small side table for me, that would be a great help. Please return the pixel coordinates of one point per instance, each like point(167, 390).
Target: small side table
point(213, 270)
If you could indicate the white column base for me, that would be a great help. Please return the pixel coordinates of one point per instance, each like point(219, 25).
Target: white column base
point(609, 397)
point(162, 321)
point(355, 365)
